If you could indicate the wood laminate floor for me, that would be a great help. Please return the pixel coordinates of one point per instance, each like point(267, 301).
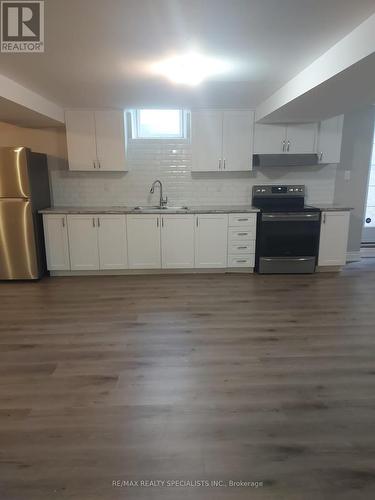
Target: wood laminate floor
point(189, 377)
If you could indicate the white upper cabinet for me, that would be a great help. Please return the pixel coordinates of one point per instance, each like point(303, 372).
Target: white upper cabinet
point(211, 240)
point(292, 139)
point(56, 239)
point(112, 241)
point(301, 138)
point(83, 242)
point(110, 139)
point(269, 139)
point(329, 140)
point(222, 140)
point(177, 241)
point(206, 140)
point(334, 232)
point(144, 241)
point(238, 132)
point(96, 140)
point(80, 136)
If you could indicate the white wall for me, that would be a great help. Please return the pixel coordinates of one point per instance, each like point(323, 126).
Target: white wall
point(171, 163)
point(357, 141)
point(148, 160)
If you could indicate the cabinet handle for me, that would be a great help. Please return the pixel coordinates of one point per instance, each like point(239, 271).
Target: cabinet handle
point(241, 260)
point(283, 145)
point(241, 248)
point(197, 223)
point(162, 222)
point(224, 163)
point(242, 220)
point(98, 222)
point(94, 163)
point(321, 156)
point(63, 222)
point(157, 221)
point(93, 222)
point(242, 234)
point(288, 146)
point(324, 218)
point(99, 164)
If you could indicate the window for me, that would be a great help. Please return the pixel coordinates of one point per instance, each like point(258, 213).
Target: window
point(158, 124)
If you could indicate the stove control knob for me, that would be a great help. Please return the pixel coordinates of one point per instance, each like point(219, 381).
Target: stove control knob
point(263, 190)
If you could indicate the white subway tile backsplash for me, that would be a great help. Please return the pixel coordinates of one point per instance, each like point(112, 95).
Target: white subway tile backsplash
point(171, 163)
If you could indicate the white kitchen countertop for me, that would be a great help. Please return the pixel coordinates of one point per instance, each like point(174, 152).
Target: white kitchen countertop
point(334, 208)
point(148, 210)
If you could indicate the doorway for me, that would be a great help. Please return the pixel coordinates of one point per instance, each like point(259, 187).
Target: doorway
point(368, 234)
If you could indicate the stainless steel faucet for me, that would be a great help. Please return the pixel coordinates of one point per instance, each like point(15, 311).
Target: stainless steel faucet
point(163, 201)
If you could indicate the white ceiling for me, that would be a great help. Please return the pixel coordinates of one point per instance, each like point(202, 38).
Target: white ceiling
point(96, 50)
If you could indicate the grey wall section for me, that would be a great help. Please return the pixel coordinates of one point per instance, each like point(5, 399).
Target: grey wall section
point(356, 150)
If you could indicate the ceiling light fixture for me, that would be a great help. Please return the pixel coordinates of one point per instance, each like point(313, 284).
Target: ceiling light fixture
point(190, 69)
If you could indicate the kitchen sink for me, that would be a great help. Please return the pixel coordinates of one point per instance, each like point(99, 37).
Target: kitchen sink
point(157, 207)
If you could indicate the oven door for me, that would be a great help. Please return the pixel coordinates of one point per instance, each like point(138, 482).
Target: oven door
point(288, 242)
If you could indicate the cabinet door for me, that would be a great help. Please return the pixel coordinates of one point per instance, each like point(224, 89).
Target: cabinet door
point(177, 241)
point(269, 139)
point(238, 137)
point(112, 241)
point(333, 238)
point(329, 140)
point(83, 242)
point(80, 136)
point(301, 138)
point(110, 140)
point(143, 241)
point(211, 240)
point(207, 140)
point(56, 239)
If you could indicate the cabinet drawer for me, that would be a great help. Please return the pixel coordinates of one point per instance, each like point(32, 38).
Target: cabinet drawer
point(247, 260)
point(246, 233)
point(238, 220)
point(240, 247)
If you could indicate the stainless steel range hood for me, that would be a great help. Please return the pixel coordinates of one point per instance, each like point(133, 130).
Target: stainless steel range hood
point(285, 160)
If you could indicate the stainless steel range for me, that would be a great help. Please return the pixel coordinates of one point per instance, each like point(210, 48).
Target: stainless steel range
point(287, 231)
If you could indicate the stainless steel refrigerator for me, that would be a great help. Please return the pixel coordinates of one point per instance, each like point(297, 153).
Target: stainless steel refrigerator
point(24, 189)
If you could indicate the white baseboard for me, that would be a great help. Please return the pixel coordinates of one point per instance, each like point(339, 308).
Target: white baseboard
point(367, 252)
point(353, 256)
point(132, 272)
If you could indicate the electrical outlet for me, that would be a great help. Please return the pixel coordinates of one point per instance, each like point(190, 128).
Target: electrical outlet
point(347, 175)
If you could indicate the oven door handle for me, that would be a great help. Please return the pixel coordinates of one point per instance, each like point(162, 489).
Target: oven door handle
point(290, 217)
point(293, 259)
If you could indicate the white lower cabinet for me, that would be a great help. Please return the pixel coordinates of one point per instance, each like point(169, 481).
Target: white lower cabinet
point(57, 244)
point(241, 240)
point(91, 242)
point(211, 240)
point(242, 261)
point(83, 242)
point(112, 241)
point(334, 232)
point(144, 241)
point(177, 241)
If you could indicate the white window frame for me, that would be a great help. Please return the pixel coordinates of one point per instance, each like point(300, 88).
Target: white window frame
point(135, 125)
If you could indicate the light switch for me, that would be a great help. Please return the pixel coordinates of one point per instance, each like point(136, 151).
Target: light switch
point(347, 174)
